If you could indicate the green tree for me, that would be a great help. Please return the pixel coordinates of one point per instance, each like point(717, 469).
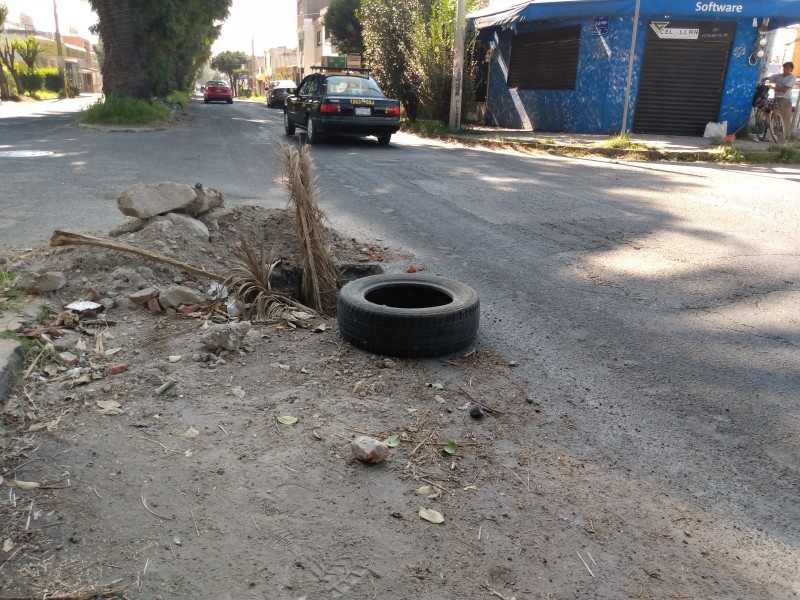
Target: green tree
point(28, 50)
point(32, 81)
point(229, 63)
point(5, 94)
point(7, 58)
point(152, 47)
point(387, 27)
point(430, 58)
point(341, 21)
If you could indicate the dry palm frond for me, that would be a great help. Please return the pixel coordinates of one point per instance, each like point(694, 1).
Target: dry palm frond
point(248, 282)
point(319, 270)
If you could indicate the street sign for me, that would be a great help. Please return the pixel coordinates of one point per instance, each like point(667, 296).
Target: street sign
point(600, 26)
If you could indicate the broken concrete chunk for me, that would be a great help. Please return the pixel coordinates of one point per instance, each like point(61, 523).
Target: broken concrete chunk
point(176, 295)
point(369, 449)
point(228, 336)
point(148, 200)
point(68, 359)
point(207, 199)
point(144, 296)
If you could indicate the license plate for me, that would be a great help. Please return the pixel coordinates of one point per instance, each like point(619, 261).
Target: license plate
point(362, 111)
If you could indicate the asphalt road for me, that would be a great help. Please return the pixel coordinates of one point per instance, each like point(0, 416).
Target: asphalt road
point(655, 305)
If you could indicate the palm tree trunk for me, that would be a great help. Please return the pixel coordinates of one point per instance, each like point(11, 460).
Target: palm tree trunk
point(123, 73)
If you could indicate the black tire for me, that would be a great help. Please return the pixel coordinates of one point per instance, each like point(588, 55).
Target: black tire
point(312, 136)
point(776, 127)
point(384, 140)
point(230, 101)
point(761, 125)
point(205, 100)
point(288, 126)
point(408, 314)
point(269, 104)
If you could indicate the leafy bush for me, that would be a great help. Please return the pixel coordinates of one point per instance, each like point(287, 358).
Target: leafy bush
point(119, 110)
point(53, 80)
point(32, 81)
point(181, 98)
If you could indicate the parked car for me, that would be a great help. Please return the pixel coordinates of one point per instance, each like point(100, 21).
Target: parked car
point(279, 91)
point(341, 103)
point(217, 91)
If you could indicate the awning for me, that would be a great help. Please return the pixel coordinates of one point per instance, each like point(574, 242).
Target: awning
point(784, 12)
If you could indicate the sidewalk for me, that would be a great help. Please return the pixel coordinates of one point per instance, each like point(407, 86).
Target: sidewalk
point(657, 146)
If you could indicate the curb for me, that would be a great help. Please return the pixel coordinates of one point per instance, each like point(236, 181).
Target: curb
point(11, 359)
point(649, 154)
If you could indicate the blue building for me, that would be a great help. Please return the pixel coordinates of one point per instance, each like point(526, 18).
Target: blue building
point(656, 66)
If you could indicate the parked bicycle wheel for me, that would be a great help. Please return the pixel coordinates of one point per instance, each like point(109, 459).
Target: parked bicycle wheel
point(761, 125)
point(776, 127)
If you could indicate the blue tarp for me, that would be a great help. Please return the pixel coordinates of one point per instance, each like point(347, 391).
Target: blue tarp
point(783, 12)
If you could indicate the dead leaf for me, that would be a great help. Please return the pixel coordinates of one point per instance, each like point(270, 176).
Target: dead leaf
point(8, 545)
point(423, 490)
point(287, 420)
point(439, 399)
point(108, 407)
point(188, 453)
point(359, 387)
point(191, 433)
point(431, 515)
point(23, 485)
point(238, 392)
point(317, 434)
point(37, 427)
point(320, 328)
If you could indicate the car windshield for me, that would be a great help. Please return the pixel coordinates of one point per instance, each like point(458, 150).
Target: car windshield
point(353, 86)
point(217, 83)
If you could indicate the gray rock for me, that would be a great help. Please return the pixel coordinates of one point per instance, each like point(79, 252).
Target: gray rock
point(130, 276)
point(148, 200)
point(189, 225)
point(228, 336)
point(49, 282)
point(176, 295)
point(215, 216)
point(129, 225)
point(108, 303)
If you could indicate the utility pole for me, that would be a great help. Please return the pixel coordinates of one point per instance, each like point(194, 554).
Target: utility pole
point(61, 64)
point(628, 81)
point(458, 68)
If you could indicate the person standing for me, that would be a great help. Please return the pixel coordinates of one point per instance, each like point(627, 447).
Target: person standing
point(783, 83)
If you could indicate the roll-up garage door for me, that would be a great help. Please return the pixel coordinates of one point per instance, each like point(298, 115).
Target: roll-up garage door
point(682, 76)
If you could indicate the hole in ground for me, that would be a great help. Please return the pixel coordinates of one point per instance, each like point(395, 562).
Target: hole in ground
point(406, 296)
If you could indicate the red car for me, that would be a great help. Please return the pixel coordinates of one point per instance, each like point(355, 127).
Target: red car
point(279, 91)
point(217, 91)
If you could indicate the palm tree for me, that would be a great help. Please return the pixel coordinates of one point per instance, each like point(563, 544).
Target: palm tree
point(123, 71)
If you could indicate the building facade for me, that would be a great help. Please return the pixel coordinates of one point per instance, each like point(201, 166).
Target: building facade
point(79, 60)
point(647, 66)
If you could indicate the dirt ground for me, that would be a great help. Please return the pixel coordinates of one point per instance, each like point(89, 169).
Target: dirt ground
point(200, 491)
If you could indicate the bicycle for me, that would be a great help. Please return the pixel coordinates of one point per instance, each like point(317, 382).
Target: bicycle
point(767, 116)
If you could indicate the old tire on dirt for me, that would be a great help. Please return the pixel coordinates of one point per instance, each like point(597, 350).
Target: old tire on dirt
point(408, 314)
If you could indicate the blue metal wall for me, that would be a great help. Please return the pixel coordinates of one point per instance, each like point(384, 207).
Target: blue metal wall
point(596, 105)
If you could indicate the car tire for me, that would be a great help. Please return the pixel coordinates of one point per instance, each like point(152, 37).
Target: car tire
point(269, 104)
point(288, 126)
point(205, 100)
point(384, 140)
point(312, 137)
point(230, 101)
point(408, 314)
